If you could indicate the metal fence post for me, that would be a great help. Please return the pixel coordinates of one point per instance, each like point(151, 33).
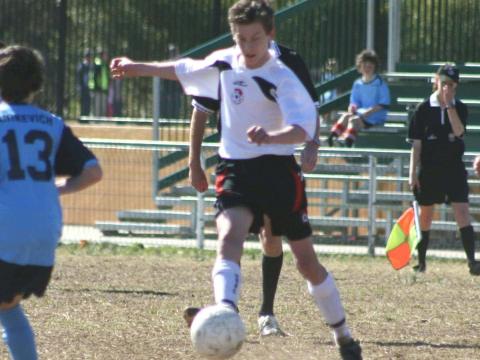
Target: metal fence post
point(372, 200)
point(62, 53)
point(200, 213)
point(155, 134)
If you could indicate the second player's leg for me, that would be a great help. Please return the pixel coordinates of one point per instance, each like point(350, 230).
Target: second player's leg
point(272, 261)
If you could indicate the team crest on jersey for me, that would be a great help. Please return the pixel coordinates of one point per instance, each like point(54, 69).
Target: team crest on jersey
point(237, 96)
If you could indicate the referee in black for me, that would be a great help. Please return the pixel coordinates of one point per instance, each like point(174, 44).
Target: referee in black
point(437, 171)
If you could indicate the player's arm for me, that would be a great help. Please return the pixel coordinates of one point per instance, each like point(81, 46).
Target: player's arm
point(294, 61)
point(122, 67)
point(309, 155)
point(196, 173)
point(457, 125)
point(90, 175)
point(77, 163)
point(298, 111)
point(291, 134)
point(372, 110)
point(476, 165)
point(415, 164)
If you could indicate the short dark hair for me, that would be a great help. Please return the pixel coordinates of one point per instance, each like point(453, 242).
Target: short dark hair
point(367, 56)
point(21, 72)
point(245, 12)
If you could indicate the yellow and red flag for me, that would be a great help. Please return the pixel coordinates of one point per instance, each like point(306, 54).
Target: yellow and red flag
point(404, 238)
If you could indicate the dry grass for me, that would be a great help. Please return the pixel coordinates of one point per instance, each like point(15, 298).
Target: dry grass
point(128, 306)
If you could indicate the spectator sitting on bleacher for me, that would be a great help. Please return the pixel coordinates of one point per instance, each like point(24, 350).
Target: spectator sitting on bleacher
point(369, 101)
point(437, 171)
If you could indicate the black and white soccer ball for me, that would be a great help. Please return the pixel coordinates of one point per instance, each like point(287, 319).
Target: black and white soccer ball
point(217, 332)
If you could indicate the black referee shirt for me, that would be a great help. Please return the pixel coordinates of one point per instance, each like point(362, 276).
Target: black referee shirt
point(431, 125)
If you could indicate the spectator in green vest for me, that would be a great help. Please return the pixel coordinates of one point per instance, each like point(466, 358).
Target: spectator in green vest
point(100, 82)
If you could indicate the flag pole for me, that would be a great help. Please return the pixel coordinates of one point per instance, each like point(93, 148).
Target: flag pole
point(416, 218)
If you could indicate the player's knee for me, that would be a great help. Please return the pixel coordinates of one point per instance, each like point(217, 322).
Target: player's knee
point(353, 121)
point(272, 245)
point(344, 119)
point(307, 267)
point(16, 300)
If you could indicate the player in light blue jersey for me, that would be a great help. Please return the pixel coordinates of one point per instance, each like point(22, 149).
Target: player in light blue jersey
point(369, 101)
point(35, 147)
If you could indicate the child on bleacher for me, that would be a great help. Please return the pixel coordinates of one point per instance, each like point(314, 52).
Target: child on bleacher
point(369, 101)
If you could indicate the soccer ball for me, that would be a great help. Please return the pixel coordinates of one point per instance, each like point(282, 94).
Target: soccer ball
point(217, 332)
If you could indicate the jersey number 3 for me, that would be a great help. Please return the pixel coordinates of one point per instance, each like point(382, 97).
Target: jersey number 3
point(38, 173)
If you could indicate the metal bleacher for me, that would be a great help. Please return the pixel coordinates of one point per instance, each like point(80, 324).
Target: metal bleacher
point(360, 190)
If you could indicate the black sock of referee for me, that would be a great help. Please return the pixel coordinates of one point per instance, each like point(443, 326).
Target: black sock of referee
point(271, 267)
point(468, 240)
point(423, 246)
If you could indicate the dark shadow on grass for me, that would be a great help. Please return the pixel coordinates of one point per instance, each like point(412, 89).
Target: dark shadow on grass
point(118, 291)
point(423, 343)
point(409, 344)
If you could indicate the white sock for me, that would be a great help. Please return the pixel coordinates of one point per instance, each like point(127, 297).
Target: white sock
point(328, 301)
point(226, 278)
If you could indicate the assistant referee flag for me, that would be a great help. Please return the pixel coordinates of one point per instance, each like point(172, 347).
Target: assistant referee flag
point(404, 238)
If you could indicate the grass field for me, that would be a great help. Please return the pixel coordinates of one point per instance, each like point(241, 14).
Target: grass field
point(108, 302)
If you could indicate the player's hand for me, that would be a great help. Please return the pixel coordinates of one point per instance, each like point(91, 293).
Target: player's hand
point(476, 165)
point(447, 95)
point(308, 158)
point(197, 178)
point(414, 183)
point(121, 67)
point(258, 135)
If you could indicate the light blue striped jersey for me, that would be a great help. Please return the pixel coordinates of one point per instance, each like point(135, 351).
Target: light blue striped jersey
point(34, 146)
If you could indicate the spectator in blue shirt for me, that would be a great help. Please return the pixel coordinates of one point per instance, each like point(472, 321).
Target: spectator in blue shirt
point(369, 101)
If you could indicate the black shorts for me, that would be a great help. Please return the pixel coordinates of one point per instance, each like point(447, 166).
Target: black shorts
point(443, 185)
point(23, 279)
point(268, 185)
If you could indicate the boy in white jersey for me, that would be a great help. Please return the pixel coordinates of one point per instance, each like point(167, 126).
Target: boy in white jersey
point(272, 257)
point(35, 146)
point(265, 113)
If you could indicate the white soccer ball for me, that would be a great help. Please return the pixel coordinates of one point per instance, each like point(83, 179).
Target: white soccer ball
point(217, 332)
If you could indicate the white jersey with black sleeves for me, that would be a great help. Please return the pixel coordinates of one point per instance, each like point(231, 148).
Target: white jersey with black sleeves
point(270, 96)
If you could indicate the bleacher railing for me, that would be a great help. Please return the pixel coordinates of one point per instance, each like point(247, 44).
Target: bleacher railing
point(355, 195)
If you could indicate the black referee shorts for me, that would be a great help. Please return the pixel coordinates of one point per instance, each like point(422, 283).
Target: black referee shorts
point(23, 279)
point(443, 185)
point(268, 185)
